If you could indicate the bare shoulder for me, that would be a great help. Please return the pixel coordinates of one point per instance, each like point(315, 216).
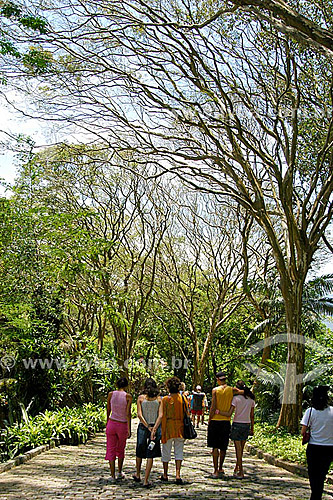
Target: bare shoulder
point(110, 395)
point(129, 397)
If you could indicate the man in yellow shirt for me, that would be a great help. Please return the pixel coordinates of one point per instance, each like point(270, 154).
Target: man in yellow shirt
point(218, 425)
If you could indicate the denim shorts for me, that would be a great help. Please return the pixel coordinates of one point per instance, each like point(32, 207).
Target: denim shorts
point(239, 431)
point(143, 440)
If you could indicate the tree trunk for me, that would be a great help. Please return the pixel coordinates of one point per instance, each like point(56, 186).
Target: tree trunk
point(291, 409)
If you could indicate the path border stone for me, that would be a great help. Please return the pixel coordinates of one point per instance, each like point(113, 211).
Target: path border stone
point(21, 459)
point(293, 467)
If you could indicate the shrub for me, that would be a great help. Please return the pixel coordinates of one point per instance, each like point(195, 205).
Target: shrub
point(65, 426)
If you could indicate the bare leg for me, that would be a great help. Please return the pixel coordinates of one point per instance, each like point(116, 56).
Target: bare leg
point(120, 464)
point(215, 454)
point(148, 469)
point(236, 466)
point(165, 469)
point(178, 466)
point(138, 467)
point(239, 454)
point(112, 468)
point(222, 457)
point(198, 420)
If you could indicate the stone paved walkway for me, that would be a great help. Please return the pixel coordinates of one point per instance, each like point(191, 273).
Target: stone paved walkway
point(80, 473)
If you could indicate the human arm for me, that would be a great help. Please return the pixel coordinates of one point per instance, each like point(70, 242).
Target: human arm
point(252, 421)
point(108, 407)
point(303, 430)
point(164, 419)
point(212, 406)
point(237, 391)
point(227, 413)
point(158, 420)
point(140, 414)
point(129, 414)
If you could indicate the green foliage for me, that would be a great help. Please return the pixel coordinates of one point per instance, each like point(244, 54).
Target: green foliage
point(65, 426)
point(35, 59)
point(279, 442)
point(12, 11)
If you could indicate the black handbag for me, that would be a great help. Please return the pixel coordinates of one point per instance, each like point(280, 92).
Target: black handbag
point(189, 430)
point(306, 436)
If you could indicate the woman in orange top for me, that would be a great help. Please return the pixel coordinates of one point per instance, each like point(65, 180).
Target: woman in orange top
point(172, 428)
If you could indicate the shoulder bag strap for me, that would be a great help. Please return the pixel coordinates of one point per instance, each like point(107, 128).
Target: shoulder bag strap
point(307, 425)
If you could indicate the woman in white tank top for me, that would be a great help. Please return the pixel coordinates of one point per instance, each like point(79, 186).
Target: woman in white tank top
point(149, 429)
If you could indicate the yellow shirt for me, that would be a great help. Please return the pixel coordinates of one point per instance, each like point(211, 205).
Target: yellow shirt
point(224, 395)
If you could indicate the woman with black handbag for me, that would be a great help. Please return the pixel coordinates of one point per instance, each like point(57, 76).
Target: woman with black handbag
point(172, 428)
point(319, 451)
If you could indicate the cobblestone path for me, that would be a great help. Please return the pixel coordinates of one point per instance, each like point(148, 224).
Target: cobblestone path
point(80, 472)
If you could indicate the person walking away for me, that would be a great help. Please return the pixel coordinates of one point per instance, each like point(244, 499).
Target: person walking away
point(173, 428)
point(319, 452)
point(197, 404)
point(204, 409)
point(118, 427)
point(219, 425)
point(149, 406)
point(242, 425)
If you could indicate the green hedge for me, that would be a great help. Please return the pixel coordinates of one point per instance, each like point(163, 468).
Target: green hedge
point(65, 426)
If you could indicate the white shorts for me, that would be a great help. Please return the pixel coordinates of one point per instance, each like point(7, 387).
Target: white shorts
point(178, 445)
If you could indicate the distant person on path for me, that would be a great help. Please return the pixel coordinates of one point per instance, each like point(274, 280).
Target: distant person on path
point(319, 451)
point(118, 427)
point(172, 428)
point(242, 425)
point(197, 404)
point(219, 425)
point(205, 409)
point(148, 444)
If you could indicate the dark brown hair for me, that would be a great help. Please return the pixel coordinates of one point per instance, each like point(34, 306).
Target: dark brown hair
point(173, 384)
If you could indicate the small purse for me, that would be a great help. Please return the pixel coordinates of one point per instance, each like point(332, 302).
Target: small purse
point(307, 434)
point(189, 430)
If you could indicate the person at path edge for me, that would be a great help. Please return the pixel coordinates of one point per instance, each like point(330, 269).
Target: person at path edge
point(319, 452)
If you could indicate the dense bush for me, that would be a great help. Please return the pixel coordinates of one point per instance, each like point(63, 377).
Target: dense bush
point(65, 426)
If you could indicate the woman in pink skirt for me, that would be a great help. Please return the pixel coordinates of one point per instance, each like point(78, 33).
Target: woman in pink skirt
point(118, 427)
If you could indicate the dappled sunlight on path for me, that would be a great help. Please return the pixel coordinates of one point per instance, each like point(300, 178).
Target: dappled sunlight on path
point(81, 473)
